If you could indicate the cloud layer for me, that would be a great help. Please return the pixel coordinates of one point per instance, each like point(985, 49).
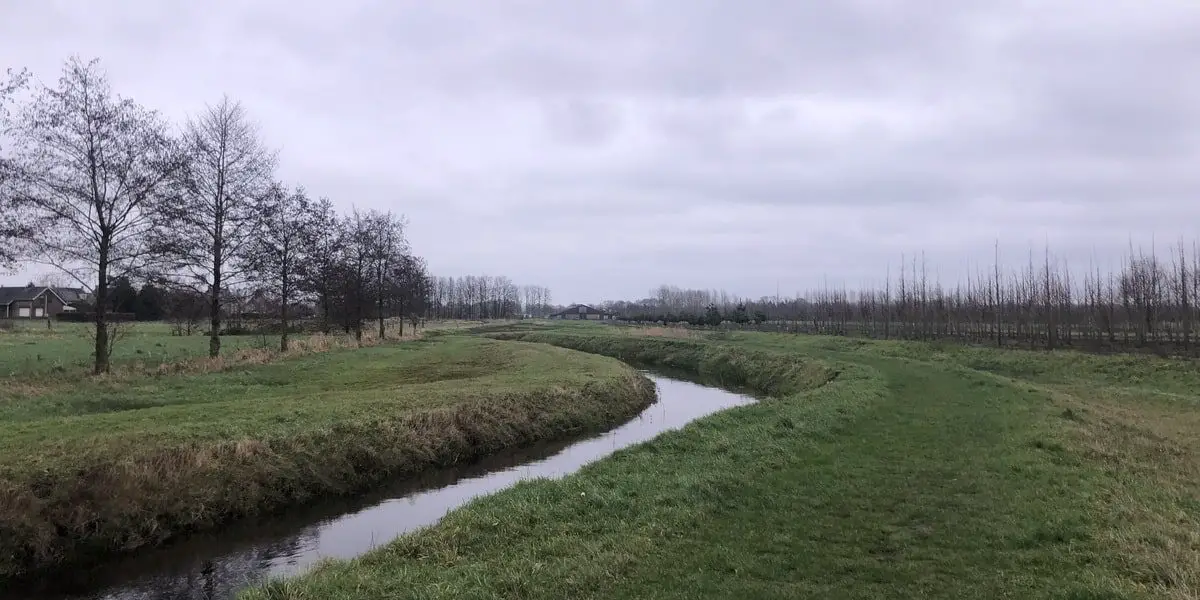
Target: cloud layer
point(602, 148)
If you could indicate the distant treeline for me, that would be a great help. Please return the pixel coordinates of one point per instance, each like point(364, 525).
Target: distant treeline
point(485, 297)
point(1149, 302)
point(470, 297)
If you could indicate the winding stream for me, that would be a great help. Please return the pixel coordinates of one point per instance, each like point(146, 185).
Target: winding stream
point(217, 565)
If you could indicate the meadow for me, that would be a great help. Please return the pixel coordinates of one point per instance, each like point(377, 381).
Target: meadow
point(872, 469)
point(114, 464)
point(29, 349)
point(36, 361)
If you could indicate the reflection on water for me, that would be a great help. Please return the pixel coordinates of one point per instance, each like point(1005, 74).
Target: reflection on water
point(215, 566)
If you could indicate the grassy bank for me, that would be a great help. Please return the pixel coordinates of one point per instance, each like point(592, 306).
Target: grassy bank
point(917, 471)
point(84, 472)
point(766, 372)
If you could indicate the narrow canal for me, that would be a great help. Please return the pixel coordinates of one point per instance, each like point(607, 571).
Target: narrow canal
point(217, 565)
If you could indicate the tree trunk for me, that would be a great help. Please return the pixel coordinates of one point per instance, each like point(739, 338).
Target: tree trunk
point(283, 318)
point(1051, 318)
point(402, 311)
point(214, 336)
point(102, 358)
point(379, 297)
point(358, 309)
point(379, 309)
point(1183, 301)
point(326, 312)
point(999, 303)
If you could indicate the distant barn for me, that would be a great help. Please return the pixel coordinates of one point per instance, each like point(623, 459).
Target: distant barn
point(582, 312)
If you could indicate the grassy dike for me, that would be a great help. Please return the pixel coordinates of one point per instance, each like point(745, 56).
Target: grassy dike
point(874, 470)
point(86, 472)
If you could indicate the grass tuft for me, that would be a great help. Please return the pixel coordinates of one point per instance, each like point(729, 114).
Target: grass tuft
point(282, 589)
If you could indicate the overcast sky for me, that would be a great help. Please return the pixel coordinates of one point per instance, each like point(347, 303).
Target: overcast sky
point(604, 147)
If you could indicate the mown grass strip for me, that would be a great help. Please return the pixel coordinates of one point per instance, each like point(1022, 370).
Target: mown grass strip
point(82, 476)
point(899, 478)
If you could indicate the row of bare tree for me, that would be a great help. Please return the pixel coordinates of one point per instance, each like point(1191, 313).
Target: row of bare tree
point(1148, 302)
point(102, 189)
point(486, 297)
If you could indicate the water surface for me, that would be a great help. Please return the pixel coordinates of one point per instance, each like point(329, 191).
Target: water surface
point(217, 565)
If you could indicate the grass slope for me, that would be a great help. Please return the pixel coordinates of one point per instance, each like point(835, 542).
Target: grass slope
point(915, 472)
point(82, 474)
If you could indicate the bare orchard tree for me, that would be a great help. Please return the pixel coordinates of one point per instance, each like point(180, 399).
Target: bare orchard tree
point(210, 230)
point(89, 167)
point(280, 248)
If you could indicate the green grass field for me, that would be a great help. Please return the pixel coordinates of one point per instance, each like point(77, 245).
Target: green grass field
point(111, 465)
point(30, 350)
point(874, 470)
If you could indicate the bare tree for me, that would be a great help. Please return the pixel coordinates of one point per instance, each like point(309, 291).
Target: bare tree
point(184, 309)
point(1146, 303)
point(319, 273)
point(385, 235)
point(88, 169)
point(53, 279)
point(411, 287)
point(211, 227)
point(13, 229)
point(418, 291)
point(355, 267)
point(280, 248)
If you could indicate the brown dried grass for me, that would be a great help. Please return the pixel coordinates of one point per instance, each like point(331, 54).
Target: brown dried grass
point(300, 346)
point(665, 332)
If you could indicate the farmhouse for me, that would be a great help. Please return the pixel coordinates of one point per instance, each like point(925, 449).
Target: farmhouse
point(33, 302)
point(578, 312)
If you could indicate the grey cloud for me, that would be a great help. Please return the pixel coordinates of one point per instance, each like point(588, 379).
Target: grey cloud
point(602, 148)
point(582, 121)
